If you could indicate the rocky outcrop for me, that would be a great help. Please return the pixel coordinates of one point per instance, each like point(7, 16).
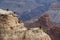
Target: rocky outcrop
point(36, 34)
point(54, 33)
point(50, 28)
point(45, 22)
point(11, 28)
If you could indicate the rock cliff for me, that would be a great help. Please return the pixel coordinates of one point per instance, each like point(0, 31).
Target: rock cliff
point(49, 27)
point(11, 28)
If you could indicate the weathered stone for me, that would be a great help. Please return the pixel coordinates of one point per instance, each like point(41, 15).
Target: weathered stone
point(12, 29)
point(36, 34)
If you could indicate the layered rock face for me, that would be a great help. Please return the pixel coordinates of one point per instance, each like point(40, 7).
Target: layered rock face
point(12, 29)
point(45, 22)
point(52, 29)
point(49, 27)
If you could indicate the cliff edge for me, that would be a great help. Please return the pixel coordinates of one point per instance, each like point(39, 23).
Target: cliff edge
point(11, 28)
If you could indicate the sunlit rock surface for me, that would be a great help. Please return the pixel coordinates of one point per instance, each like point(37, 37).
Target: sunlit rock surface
point(11, 28)
point(36, 34)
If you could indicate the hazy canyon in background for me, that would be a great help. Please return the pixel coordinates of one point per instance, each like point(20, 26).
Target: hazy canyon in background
point(33, 9)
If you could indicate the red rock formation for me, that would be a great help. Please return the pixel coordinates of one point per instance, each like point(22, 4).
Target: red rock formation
point(49, 27)
point(52, 30)
point(44, 21)
point(55, 33)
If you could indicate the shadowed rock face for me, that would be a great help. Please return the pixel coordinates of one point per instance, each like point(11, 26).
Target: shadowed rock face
point(44, 21)
point(55, 33)
point(52, 29)
point(12, 29)
point(49, 27)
